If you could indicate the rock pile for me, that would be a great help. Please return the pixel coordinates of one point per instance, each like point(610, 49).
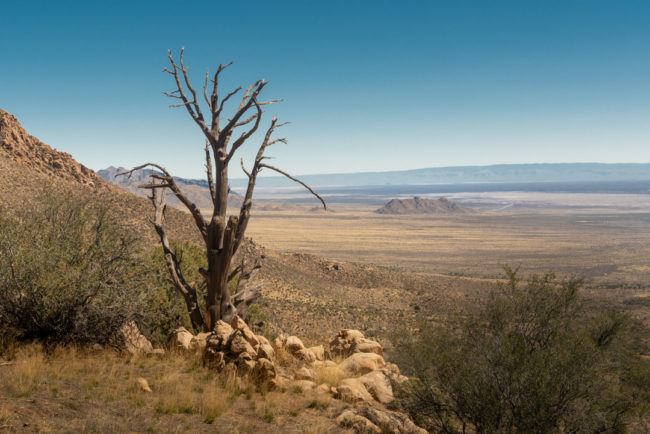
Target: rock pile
point(234, 348)
point(352, 369)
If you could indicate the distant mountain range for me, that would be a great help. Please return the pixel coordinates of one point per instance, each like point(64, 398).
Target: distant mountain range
point(196, 190)
point(500, 173)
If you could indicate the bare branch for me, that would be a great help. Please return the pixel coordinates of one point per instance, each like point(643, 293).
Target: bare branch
point(295, 180)
point(273, 101)
point(214, 98)
point(240, 141)
point(194, 210)
point(173, 262)
point(241, 161)
point(191, 106)
point(208, 168)
point(205, 89)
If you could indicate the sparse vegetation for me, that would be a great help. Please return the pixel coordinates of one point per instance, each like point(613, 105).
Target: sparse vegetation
point(65, 271)
point(531, 360)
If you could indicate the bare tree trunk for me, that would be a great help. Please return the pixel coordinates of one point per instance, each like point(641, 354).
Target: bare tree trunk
point(222, 235)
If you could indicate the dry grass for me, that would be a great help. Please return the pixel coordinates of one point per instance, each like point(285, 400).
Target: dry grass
point(72, 390)
point(611, 247)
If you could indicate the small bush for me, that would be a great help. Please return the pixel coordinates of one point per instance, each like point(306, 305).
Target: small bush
point(531, 360)
point(64, 271)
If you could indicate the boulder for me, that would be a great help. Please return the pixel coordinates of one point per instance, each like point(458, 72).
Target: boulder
point(305, 355)
point(319, 352)
point(238, 345)
point(293, 344)
point(353, 390)
point(392, 422)
point(348, 342)
point(143, 385)
point(214, 359)
point(134, 342)
point(322, 389)
point(367, 346)
point(180, 339)
point(378, 385)
point(265, 350)
point(305, 374)
point(359, 424)
point(199, 341)
point(265, 370)
point(362, 363)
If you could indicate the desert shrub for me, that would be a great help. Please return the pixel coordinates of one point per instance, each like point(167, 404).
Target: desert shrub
point(65, 267)
point(530, 360)
point(165, 308)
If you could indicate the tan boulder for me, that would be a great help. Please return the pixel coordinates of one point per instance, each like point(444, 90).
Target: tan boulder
point(359, 424)
point(134, 342)
point(265, 370)
point(392, 422)
point(199, 341)
point(239, 344)
point(143, 385)
point(322, 389)
point(222, 329)
point(214, 359)
point(348, 342)
point(362, 363)
point(180, 339)
point(280, 382)
point(378, 385)
point(305, 355)
point(325, 364)
point(367, 346)
point(319, 352)
point(293, 344)
point(238, 324)
point(353, 390)
point(305, 374)
point(266, 351)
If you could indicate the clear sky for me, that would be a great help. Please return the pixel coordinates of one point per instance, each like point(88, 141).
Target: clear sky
point(367, 85)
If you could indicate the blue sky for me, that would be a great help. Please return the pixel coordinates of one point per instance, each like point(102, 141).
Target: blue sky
point(367, 85)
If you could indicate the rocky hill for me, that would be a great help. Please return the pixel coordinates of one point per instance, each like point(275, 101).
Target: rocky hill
point(31, 168)
point(30, 152)
point(420, 205)
point(197, 192)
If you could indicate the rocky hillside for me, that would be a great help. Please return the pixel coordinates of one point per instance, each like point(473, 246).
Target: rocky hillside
point(31, 168)
point(196, 191)
point(30, 152)
point(420, 205)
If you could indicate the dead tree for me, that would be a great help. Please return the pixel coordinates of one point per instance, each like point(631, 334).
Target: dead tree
point(222, 234)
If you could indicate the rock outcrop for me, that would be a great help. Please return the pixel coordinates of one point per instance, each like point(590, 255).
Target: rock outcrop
point(421, 205)
point(353, 370)
point(133, 340)
point(31, 152)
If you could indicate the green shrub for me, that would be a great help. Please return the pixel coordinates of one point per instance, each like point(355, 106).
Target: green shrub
point(65, 270)
point(165, 308)
point(531, 360)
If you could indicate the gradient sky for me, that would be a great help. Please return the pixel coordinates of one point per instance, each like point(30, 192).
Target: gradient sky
point(367, 85)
